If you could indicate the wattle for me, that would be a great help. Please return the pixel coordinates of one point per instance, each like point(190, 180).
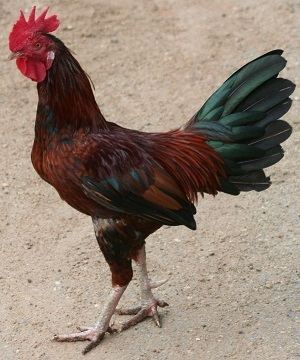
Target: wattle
point(33, 69)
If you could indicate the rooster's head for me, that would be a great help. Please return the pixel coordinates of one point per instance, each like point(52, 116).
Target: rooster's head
point(33, 50)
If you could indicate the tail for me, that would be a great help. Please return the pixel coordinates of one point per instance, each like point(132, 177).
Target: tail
point(240, 121)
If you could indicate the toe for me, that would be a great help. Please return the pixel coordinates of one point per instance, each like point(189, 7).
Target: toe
point(141, 313)
point(96, 341)
point(80, 336)
point(86, 334)
point(132, 311)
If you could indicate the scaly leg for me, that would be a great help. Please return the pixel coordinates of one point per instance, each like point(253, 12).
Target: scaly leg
point(95, 334)
point(149, 303)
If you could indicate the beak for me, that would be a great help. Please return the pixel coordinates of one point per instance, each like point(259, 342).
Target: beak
point(15, 55)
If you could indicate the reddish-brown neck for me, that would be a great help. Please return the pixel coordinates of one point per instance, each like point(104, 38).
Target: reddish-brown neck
point(66, 99)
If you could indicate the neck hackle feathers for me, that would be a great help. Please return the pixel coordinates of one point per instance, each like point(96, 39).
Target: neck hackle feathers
point(24, 29)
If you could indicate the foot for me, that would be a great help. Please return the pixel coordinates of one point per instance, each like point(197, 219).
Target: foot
point(96, 334)
point(92, 334)
point(149, 303)
point(147, 309)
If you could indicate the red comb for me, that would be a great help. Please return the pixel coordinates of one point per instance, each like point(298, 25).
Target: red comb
point(24, 28)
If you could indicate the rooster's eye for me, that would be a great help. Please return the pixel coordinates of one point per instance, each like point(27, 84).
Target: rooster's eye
point(37, 45)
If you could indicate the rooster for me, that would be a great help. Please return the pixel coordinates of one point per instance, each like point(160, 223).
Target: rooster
point(131, 182)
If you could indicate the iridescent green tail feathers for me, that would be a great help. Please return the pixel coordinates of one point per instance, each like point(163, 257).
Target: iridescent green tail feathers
point(241, 122)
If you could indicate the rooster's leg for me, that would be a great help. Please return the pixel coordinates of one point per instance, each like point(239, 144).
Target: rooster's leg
point(149, 303)
point(95, 334)
point(116, 249)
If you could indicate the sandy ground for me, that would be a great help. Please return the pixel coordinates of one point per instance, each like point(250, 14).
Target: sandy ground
point(234, 288)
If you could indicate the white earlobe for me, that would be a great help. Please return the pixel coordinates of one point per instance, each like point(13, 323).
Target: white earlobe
point(50, 55)
point(50, 58)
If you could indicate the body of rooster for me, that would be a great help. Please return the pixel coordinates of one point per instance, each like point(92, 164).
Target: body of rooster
point(131, 182)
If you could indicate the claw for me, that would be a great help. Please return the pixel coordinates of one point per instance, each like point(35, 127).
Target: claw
point(83, 328)
point(162, 303)
point(156, 319)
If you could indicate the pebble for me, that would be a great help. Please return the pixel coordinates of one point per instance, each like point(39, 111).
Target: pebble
point(28, 245)
point(67, 28)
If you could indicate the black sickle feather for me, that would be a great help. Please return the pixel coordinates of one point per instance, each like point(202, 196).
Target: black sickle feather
point(276, 133)
point(275, 113)
point(267, 95)
point(256, 180)
point(270, 158)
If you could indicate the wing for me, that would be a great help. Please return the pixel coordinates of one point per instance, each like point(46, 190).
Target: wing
point(130, 182)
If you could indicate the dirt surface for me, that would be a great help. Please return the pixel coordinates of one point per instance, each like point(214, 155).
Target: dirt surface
point(234, 288)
